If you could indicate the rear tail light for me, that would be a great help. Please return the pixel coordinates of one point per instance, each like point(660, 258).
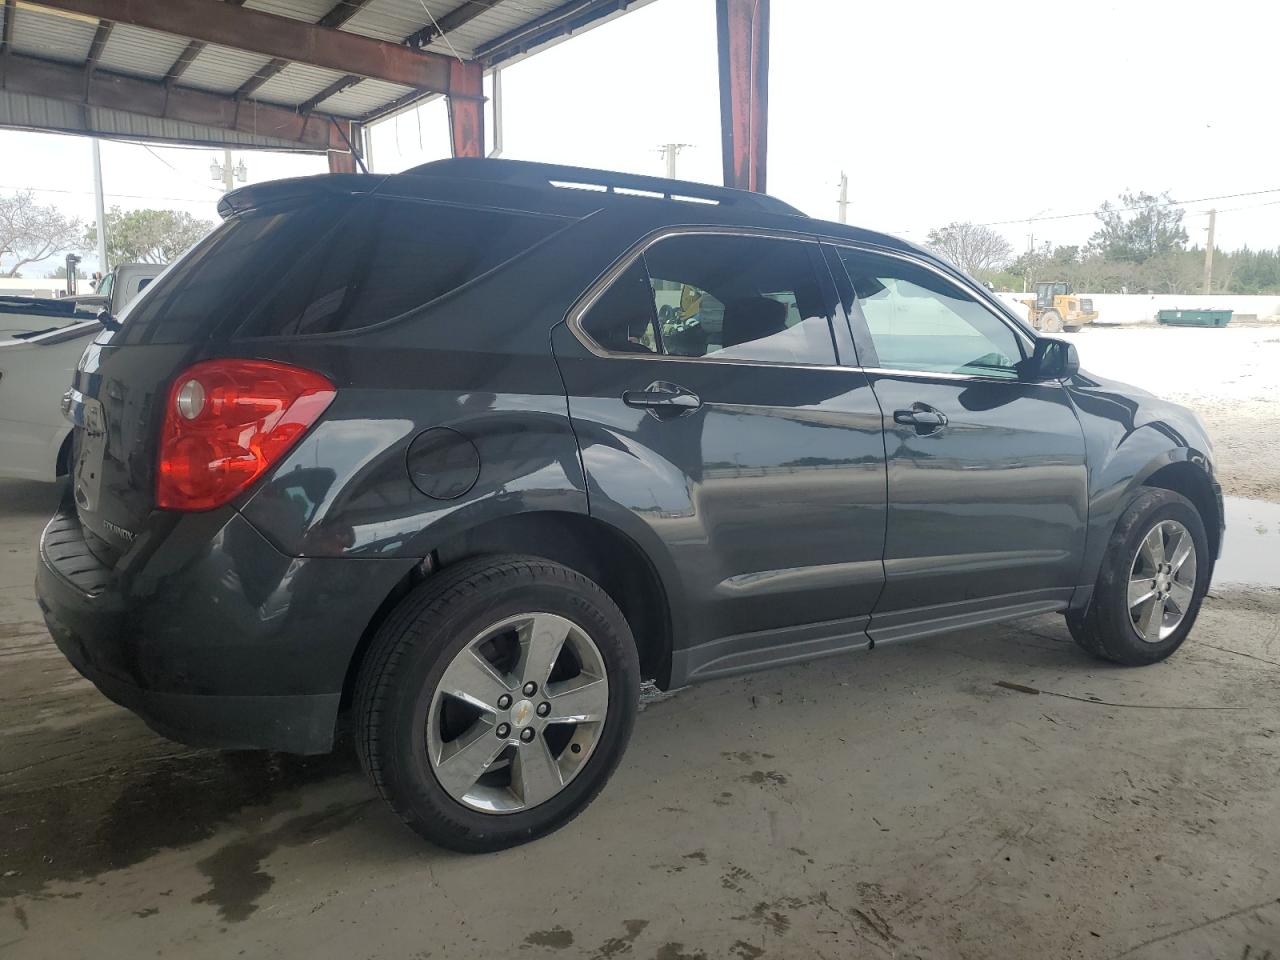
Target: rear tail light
point(227, 422)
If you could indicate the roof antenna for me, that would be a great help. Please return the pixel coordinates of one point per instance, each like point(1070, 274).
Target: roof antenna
point(342, 133)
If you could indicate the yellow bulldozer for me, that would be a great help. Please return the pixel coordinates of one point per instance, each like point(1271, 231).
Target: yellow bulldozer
point(1057, 308)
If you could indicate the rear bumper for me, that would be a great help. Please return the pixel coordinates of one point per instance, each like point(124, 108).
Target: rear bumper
point(292, 724)
point(212, 636)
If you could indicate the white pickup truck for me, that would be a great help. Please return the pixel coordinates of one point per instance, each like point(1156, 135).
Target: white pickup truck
point(40, 343)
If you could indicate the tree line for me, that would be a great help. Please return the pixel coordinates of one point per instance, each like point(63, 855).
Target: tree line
point(31, 232)
point(1140, 246)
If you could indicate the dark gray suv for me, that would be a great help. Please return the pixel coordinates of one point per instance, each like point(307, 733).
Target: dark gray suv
point(475, 449)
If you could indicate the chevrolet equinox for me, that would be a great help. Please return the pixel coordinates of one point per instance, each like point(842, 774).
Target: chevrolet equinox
point(467, 453)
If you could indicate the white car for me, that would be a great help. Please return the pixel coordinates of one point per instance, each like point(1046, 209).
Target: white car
point(36, 369)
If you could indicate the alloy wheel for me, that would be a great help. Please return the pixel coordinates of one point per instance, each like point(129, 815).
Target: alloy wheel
point(517, 713)
point(1162, 580)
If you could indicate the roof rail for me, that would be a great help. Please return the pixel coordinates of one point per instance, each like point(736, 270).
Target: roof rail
point(529, 174)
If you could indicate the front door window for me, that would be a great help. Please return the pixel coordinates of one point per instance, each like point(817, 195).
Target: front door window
point(921, 321)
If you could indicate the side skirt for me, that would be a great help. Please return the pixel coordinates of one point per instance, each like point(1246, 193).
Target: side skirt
point(744, 652)
point(945, 617)
point(767, 648)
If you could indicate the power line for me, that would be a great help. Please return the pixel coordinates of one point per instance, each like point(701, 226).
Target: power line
point(1162, 203)
point(183, 174)
point(127, 196)
point(1251, 206)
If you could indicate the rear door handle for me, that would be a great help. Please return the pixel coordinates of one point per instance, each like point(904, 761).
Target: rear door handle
point(923, 417)
point(663, 399)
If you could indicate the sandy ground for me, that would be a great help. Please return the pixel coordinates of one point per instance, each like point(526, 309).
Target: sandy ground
point(892, 804)
point(1229, 376)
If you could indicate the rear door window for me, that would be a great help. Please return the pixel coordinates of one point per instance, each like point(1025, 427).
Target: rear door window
point(329, 267)
point(719, 296)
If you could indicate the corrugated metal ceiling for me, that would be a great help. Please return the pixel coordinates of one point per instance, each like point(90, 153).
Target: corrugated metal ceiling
point(26, 112)
point(132, 51)
point(364, 98)
point(41, 34)
point(139, 52)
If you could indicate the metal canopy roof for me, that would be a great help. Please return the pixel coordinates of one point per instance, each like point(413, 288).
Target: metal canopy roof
point(283, 74)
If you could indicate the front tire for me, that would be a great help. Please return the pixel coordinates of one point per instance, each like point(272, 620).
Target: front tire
point(1153, 579)
point(496, 700)
point(1051, 321)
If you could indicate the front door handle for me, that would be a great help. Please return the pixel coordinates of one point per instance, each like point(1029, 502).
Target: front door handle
point(923, 417)
point(663, 399)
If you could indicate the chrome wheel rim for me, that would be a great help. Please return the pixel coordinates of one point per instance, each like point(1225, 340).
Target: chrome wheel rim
point(1162, 581)
point(517, 713)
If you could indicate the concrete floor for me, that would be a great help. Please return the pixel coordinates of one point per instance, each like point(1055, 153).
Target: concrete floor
point(898, 803)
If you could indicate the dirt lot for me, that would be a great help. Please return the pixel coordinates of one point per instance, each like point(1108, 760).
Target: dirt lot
point(892, 804)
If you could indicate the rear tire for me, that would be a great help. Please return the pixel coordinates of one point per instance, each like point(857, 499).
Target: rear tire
point(1149, 589)
point(419, 679)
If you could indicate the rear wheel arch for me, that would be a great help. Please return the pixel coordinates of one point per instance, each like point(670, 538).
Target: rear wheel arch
point(593, 548)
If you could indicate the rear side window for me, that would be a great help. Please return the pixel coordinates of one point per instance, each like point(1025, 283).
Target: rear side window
point(331, 267)
point(719, 296)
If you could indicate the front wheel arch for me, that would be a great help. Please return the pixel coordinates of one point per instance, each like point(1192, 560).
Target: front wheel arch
point(1192, 482)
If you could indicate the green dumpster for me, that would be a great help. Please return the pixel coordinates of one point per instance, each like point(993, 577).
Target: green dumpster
point(1195, 318)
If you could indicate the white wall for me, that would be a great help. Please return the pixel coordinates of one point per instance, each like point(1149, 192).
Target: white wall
point(1142, 308)
point(32, 287)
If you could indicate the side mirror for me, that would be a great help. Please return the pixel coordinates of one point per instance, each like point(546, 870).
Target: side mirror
point(107, 320)
point(1051, 359)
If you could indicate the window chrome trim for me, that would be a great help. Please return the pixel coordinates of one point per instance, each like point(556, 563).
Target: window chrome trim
point(944, 375)
point(573, 319)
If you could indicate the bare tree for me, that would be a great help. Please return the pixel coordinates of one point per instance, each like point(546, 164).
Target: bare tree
point(972, 247)
point(30, 232)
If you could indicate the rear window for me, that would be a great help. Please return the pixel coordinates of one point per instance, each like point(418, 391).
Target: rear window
point(327, 268)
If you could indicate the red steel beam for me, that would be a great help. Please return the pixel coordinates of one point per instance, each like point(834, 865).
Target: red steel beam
point(466, 108)
point(150, 98)
point(742, 36)
point(243, 28)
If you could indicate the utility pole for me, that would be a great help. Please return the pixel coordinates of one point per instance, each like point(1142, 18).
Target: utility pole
point(844, 197)
point(671, 151)
point(1031, 242)
point(1208, 254)
point(227, 173)
point(103, 267)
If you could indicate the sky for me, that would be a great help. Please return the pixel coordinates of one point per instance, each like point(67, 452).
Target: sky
point(993, 111)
